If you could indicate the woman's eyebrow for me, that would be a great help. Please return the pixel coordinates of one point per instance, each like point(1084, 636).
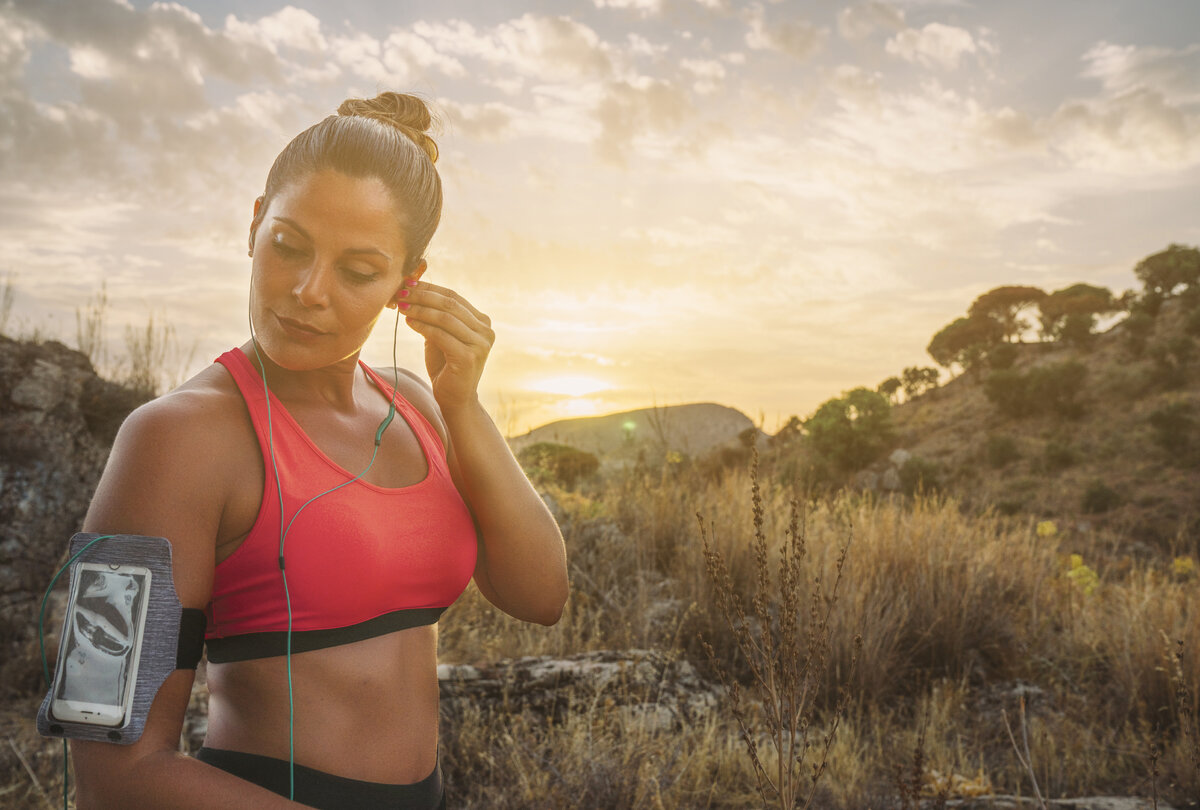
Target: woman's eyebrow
point(291, 223)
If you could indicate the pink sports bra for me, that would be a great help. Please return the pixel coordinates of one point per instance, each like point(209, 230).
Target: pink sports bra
point(362, 561)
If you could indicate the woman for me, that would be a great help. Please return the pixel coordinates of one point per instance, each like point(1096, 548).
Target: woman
point(305, 507)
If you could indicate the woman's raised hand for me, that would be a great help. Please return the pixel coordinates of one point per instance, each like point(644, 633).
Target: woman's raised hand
point(458, 338)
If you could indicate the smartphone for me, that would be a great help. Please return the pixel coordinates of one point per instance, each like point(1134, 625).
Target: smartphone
point(101, 644)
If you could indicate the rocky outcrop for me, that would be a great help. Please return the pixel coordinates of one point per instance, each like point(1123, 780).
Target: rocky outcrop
point(57, 423)
point(643, 687)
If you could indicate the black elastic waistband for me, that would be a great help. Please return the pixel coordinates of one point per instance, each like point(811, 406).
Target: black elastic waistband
point(273, 643)
point(323, 790)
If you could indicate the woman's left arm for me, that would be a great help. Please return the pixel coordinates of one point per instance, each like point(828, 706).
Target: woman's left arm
point(522, 562)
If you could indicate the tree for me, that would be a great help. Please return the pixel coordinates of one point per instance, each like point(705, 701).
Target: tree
point(1070, 314)
point(965, 342)
point(853, 430)
point(917, 381)
point(787, 434)
point(563, 463)
point(889, 387)
point(1161, 273)
point(1004, 305)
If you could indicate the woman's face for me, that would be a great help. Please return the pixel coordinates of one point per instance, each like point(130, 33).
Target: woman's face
point(328, 256)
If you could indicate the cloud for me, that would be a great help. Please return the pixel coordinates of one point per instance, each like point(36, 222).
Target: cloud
point(1129, 133)
point(15, 38)
point(708, 73)
point(289, 27)
point(490, 121)
point(863, 19)
point(635, 107)
point(797, 38)
point(644, 7)
point(850, 82)
point(548, 48)
point(935, 45)
point(165, 38)
point(644, 47)
point(1124, 68)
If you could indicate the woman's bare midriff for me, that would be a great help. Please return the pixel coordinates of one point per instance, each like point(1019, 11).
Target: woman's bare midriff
point(367, 710)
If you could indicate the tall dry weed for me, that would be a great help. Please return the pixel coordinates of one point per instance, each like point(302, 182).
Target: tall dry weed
point(784, 640)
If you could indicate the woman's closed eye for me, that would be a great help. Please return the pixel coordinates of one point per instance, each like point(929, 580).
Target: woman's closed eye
point(359, 276)
point(285, 250)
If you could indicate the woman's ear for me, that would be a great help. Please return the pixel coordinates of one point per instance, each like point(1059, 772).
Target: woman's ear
point(257, 218)
point(408, 281)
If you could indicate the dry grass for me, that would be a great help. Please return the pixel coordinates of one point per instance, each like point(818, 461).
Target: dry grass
point(962, 617)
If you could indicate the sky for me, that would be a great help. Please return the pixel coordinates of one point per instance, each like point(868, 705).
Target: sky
point(759, 204)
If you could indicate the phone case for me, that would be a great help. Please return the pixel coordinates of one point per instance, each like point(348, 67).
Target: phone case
point(160, 635)
point(102, 634)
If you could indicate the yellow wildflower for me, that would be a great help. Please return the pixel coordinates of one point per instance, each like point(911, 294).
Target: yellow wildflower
point(1183, 567)
point(1046, 528)
point(1082, 576)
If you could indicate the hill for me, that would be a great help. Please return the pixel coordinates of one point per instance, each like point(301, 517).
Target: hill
point(1126, 460)
point(693, 430)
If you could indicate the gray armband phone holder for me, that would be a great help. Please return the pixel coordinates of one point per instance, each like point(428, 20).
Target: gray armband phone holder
point(172, 638)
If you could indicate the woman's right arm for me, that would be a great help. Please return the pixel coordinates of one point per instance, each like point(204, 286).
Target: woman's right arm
point(165, 478)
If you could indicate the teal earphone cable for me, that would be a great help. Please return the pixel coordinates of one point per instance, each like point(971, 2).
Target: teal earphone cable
point(42, 639)
point(283, 531)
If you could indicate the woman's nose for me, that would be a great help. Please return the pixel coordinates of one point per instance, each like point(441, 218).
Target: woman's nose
point(311, 288)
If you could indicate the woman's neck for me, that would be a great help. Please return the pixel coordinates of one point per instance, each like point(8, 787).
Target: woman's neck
point(333, 385)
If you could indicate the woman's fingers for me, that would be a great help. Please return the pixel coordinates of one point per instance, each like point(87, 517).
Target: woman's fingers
point(450, 312)
point(458, 338)
point(447, 298)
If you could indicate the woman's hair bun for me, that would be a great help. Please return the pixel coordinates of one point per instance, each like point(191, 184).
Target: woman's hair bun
point(407, 113)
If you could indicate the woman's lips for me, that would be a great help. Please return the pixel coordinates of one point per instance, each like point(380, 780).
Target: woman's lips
point(298, 329)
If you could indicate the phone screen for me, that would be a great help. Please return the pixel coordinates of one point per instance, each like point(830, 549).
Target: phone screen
point(97, 667)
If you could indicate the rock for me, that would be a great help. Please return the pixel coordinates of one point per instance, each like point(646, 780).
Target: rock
point(57, 422)
point(1029, 803)
point(42, 389)
point(645, 686)
point(890, 480)
point(866, 480)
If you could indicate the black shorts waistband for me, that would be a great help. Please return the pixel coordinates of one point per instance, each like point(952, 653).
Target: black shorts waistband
point(326, 791)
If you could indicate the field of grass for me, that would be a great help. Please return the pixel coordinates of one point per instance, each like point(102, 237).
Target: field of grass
point(964, 620)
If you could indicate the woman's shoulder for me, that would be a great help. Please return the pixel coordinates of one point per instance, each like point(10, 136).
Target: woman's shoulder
point(174, 470)
point(204, 410)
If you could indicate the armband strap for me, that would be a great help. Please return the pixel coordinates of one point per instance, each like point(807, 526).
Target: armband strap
point(191, 638)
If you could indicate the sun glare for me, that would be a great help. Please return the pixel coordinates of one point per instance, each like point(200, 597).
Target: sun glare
point(569, 385)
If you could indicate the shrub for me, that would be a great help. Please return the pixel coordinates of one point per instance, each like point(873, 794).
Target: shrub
point(920, 475)
point(1138, 327)
point(1175, 429)
point(562, 463)
point(1056, 387)
point(1008, 507)
point(1058, 455)
point(1099, 498)
point(851, 431)
point(1002, 356)
point(1191, 324)
point(1001, 450)
point(1049, 388)
point(1171, 360)
point(1008, 391)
